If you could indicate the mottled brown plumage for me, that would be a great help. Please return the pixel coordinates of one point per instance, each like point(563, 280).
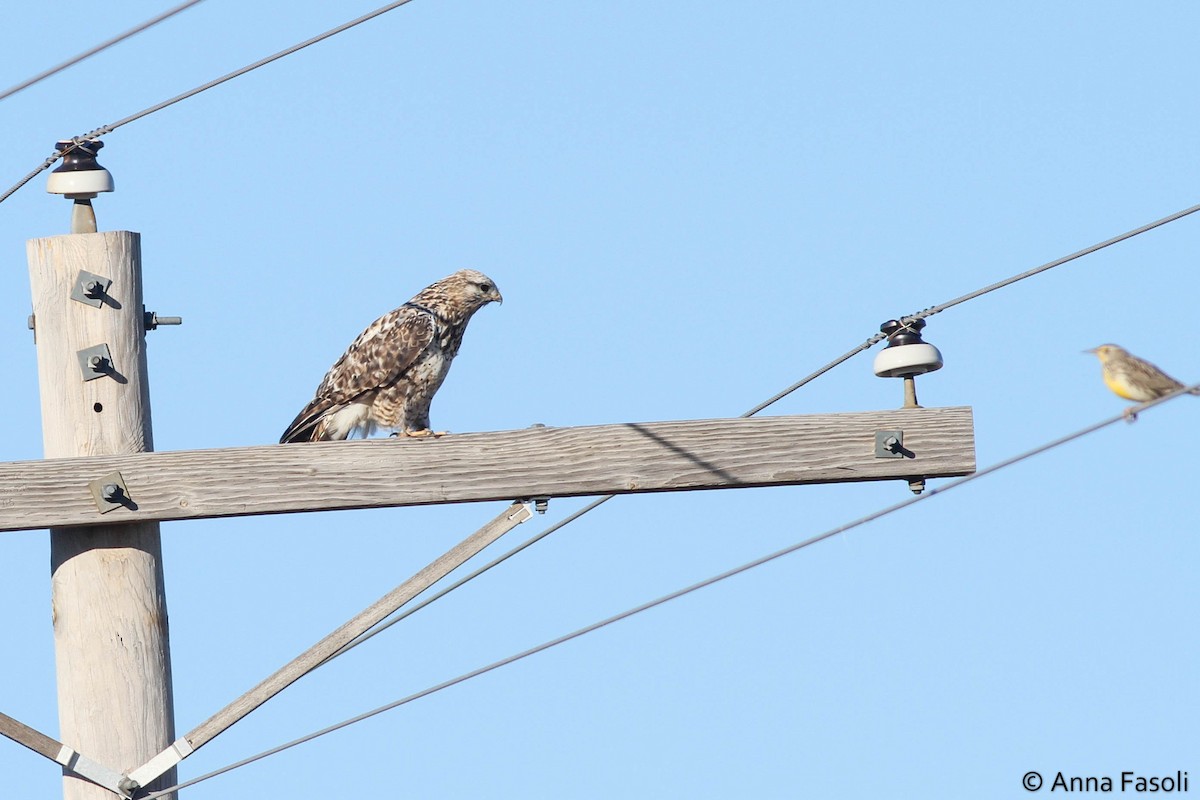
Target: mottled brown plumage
point(1134, 378)
point(388, 376)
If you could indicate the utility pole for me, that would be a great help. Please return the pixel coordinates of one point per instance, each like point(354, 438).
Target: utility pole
point(108, 604)
point(103, 492)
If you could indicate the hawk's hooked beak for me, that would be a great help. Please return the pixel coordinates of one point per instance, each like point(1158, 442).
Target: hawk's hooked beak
point(496, 297)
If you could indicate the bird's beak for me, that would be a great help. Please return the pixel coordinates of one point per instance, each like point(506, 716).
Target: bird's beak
point(1093, 350)
point(497, 297)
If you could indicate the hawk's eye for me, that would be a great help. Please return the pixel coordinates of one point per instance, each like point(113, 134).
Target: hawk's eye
point(485, 287)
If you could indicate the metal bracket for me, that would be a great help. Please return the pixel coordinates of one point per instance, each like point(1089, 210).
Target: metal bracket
point(90, 288)
point(152, 320)
point(95, 362)
point(93, 771)
point(177, 751)
point(110, 492)
point(890, 444)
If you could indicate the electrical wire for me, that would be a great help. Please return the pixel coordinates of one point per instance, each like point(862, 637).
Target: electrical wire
point(870, 342)
point(1051, 264)
point(758, 562)
point(866, 345)
point(112, 126)
point(751, 412)
point(103, 130)
point(406, 613)
point(41, 76)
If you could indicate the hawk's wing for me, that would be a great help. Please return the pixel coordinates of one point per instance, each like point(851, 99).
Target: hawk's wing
point(377, 358)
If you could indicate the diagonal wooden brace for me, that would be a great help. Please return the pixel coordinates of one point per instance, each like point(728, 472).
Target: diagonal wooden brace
point(59, 753)
point(323, 650)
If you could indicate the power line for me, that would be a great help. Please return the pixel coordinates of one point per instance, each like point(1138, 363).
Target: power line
point(382, 626)
point(751, 412)
point(41, 76)
point(1051, 264)
point(866, 345)
point(758, 562)
point(112, 126)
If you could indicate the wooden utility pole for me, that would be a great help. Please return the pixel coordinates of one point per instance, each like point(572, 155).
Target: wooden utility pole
point(107, 599)
point(103, 492)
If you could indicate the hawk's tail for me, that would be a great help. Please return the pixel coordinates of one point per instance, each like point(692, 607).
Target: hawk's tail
point(305, 426)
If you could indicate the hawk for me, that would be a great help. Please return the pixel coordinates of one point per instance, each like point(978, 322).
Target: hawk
point(388, 376)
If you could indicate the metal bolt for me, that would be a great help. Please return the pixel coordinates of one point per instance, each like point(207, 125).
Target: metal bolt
point(891, 444)
point(98, 363)
point(30, 322)
point(540, 504)
point(153, 320)
point(110, 492)
point(94, 289)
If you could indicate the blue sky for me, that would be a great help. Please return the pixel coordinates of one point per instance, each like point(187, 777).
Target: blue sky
point(687, 206)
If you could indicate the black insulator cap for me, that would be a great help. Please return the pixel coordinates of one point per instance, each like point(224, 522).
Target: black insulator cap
point(82, 156)
point(900, 333)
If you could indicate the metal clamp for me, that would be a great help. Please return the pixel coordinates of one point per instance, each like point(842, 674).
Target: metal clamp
point(95, 362)
point(110, 492)
point(90, 288)
point(890, 444)
point(93, 771)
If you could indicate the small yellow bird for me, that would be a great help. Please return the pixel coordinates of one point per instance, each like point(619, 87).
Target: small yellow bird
point(1133, 378)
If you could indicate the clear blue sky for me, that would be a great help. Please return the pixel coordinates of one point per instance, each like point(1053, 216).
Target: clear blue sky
point(688, 206)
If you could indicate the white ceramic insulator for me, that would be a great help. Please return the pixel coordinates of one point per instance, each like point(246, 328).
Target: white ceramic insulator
point(88, 182)
point(907, 359)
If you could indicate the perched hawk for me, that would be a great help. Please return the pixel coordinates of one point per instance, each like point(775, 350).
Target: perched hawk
point(390, 373)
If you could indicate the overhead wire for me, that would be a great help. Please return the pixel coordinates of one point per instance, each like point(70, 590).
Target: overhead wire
point(103, 130)
point(866, 345)
point(1052, 264)
point(70, 62)
point(678, 593)
point(112, 126)
point(408, 612)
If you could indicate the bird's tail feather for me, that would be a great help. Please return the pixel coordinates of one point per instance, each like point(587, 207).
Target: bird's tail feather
point(305, 426)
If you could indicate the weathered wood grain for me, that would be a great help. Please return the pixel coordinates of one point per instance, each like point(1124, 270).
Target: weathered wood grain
point(505, 465)
point(78, 763)
point(35, 740)
point(107, 600)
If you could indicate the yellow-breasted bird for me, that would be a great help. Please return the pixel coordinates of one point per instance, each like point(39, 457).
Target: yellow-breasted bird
point(1133, 378)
